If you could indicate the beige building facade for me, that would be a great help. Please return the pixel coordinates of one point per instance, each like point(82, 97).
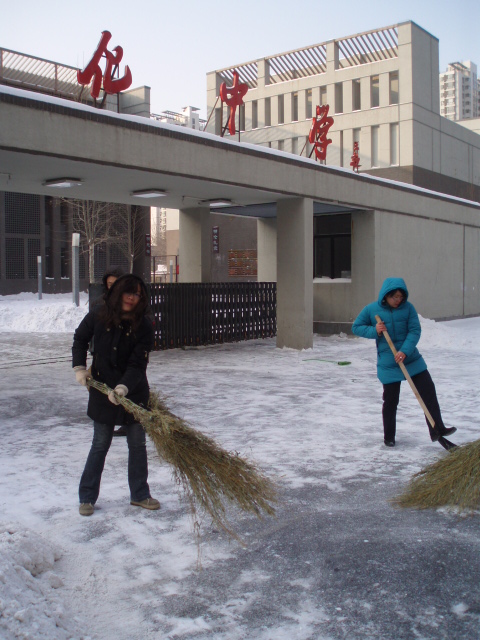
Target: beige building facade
point(382, 88)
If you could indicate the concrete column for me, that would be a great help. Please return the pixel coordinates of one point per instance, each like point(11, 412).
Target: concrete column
point(295, 273)
point(194, 251)
point(266, 250)
point(365, 93)
point(56, 244)
point(332, 56)
point(142, 263)
point(384, 88)
point(263, 71)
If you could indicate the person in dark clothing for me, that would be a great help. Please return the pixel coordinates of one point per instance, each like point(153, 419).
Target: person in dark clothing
point(123, 339)
point(109, 278)
point(400, 319)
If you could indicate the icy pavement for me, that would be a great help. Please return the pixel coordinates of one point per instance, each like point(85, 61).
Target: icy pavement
point(337, 562)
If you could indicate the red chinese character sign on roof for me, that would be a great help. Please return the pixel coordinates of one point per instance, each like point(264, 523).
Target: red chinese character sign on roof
point(233, 97)
point(321, 123)
point(355, 159)
point(93, 70)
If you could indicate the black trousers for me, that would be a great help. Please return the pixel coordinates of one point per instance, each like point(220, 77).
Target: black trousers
point(391, 395)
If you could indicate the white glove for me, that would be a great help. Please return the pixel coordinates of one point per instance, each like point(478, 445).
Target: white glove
point(81, 375)
point(120, 390)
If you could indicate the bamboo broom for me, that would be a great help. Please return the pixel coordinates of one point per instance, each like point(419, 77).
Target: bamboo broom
point(209, 475)
point(451, 481)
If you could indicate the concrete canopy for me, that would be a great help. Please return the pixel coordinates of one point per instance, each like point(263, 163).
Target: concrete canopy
point(114, 155)
point(43, 138)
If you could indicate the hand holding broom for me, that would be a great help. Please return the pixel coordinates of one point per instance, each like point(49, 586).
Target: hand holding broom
point(208, 473)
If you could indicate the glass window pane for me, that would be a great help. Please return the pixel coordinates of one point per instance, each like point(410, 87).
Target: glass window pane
point(308, 103)
point(394, 87)
point(356, 96)
point(375, 91)
point(339, 97)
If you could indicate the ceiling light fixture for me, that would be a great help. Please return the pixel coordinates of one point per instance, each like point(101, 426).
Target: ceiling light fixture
point(149, 193)
point(63, 183)
point(218, 202)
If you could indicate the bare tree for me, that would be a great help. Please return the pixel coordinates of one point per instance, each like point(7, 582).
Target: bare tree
point(93, 221)
point(130, 229)
point(117, 226)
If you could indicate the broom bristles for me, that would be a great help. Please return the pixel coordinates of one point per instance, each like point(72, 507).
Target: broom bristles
point(209, 475)
point(451, 481)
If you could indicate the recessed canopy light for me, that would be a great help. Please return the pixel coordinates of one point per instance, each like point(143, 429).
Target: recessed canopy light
point(149, 193)
point(63, 183)
point(218, 202)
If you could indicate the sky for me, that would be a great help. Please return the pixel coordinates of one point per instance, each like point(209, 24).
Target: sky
point(171, 46)
point(324, 567)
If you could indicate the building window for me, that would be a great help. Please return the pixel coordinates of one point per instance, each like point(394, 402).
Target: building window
point(280, 145)
point(14, 258)
point(281, 109)
point(294, 106)
point(332, 246)
point(323, 96)
point(341, 149)
point(308, 103)
point(242, 117)
point(356, 136)
point(394, 138)
point(268, 112)
point(22, 213)
point(338, 97)
point(375, 131)
point(356, 96)
point(218, 121)
point(393, 78)
point(308, 147)
point(254, 114)
point(295, 145)
point(375, 91)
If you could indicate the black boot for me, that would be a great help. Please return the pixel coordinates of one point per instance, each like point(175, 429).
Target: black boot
point(436, 433)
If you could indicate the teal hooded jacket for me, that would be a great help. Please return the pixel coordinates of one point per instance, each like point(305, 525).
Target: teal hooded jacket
point(403, 327)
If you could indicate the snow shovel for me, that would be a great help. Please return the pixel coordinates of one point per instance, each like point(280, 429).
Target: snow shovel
point(446, 444)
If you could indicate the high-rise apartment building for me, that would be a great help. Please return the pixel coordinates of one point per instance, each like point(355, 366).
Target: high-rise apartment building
point(460, 91)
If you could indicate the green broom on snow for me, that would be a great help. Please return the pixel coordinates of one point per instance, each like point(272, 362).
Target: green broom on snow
point(210, 476)
point(451, 481)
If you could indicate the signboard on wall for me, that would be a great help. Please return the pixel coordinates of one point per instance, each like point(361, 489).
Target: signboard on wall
point(242, 263)
point(215, 239)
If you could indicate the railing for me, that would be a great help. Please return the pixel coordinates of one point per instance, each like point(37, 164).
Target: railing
point(198, 314)
point(28, 72)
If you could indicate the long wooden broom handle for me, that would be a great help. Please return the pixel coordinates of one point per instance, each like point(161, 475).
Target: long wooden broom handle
point(407, 376)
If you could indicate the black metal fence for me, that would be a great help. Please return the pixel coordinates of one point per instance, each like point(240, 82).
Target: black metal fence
point(209, 313)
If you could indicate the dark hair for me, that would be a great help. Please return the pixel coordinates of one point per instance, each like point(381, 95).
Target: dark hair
point(116, 272)
point(392, 293)
point(112, 314)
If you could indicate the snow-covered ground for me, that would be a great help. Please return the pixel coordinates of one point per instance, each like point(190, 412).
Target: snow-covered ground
point(336, 562)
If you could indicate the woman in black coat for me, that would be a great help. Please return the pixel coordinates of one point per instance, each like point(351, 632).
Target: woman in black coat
point(123, 338)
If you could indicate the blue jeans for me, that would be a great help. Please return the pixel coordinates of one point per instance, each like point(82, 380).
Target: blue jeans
point(137, 463)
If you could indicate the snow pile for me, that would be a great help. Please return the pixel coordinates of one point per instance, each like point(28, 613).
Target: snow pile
point(454, 335)
point(30, 605)
point(55, 313)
